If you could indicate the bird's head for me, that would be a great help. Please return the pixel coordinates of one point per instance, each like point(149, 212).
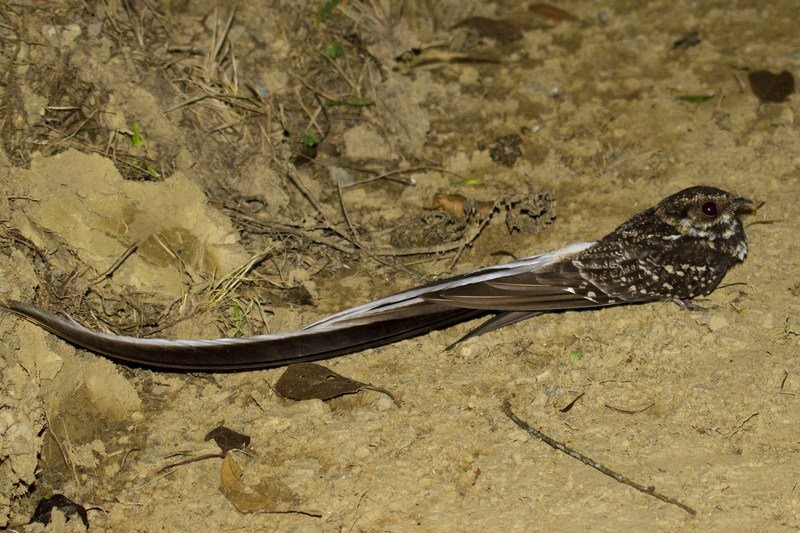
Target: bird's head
point(705, 212)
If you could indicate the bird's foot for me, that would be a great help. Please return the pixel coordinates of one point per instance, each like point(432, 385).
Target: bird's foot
point(691, 305)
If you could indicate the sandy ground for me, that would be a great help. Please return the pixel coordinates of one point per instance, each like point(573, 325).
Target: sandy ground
point(204, 137)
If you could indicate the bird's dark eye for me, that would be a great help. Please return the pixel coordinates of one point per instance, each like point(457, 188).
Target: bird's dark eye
point(709, 209)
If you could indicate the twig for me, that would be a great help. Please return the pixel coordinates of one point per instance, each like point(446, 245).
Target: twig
point(629, 411)
point(535, 433)
point(67, 461)
point(355, 512)
point(312, 117)
point(196, 459)
point(18, 197)
point(231, 281)
point(740, 426)
point(257, 225)
point(297, 182)
point(393, 175)
point(343, 206)
point(419, 250)
point(344, 76)
point(118, 263)
point(567, 408)
point(468, 239)
point(218, 41)
point(352, 239)
point(315, 91)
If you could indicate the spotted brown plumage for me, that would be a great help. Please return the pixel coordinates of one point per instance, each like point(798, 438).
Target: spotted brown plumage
point(677, 250)
point(681, 248)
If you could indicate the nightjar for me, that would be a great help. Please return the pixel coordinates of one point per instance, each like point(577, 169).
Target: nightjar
point(678, 250)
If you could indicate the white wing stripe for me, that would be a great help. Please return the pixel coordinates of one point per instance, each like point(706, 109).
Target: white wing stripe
point(412, 296)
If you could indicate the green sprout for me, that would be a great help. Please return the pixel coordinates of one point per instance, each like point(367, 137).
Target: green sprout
point(333, 50)
point(137, 141)
point(328, 7)
point(575, 356)
point(309, 139)
point(152, 171)
point(355, 101)
point(240, 313)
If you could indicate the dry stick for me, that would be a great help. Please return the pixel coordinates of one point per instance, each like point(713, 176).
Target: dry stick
point(629, 411)
point(297, 182)
point(118, 263)
point(353, 240)
point(231, 281)
point(343, 207)
point(419, 250)
point(316, 91)
point(260, 225)
point(391, 175)
point(312, 117)
point(460, 245)
point(356, 239)
point(340, 71)
point(740, 426)
point(196, 459)
point(67, 461)
point(218, 40)
point(468, 239)
point(535, 433)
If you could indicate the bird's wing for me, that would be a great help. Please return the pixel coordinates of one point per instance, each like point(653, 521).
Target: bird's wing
point(604, 274)
point(500, 320)
point(647, 271)
point(555, 290)
point(465, 291)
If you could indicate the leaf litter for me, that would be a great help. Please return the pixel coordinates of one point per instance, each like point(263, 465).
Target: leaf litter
point(310, 381)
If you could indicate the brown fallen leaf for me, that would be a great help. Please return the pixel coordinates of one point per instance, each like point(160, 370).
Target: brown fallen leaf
point(228, 439)
point(461, 207)
point(552, 12)
point(502, 31)
point(270, 495)
point(769, 87)
point(687, 41)
point(310, 381)
point(432, 58)
point(44, 510)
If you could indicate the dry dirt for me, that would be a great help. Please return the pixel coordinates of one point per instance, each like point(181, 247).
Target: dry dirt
point(149, 151)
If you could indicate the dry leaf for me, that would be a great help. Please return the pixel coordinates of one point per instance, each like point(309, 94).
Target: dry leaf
point(310, 381)
point(44, 510)
point(270, 495)
point(433, 58)
point(228, 439)
point(689, 40)
point(502, 31)
point(461, 207)
point(771, 87)
point(553, 13)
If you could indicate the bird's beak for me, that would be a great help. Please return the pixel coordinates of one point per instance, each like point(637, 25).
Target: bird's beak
point(746, 206)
